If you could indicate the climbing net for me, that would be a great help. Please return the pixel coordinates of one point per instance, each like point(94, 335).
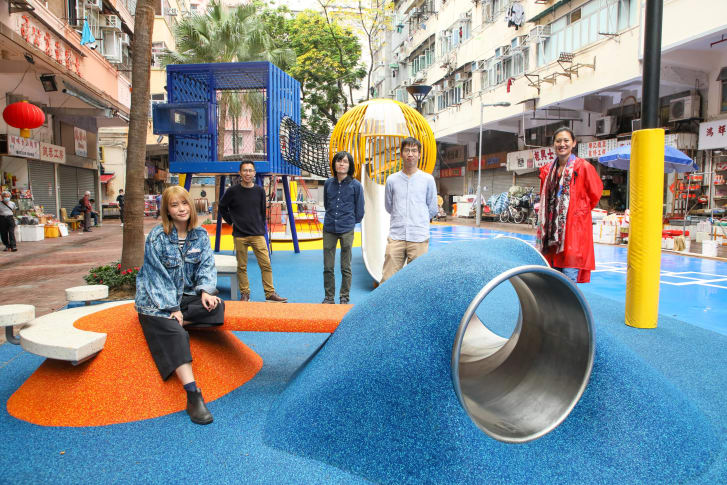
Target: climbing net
point(303, 148)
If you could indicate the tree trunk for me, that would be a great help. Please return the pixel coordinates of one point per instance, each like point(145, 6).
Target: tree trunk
point(132, 253)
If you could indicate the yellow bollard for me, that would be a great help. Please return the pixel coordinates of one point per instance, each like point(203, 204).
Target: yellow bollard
point(182, 178)
point(646, 195)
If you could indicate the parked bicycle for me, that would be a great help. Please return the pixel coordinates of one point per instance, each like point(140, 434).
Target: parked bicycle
point(512, 212)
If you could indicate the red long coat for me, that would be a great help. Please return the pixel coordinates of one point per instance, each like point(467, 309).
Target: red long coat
point(585, 192)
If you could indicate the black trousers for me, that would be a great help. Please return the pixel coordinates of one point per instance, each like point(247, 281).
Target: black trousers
point(7, 231)
point(168, 341)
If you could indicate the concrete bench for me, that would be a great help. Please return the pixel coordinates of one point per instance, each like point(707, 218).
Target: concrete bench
point(12, 315)
point(87, 293)
point(54, 336)
point(227, 266)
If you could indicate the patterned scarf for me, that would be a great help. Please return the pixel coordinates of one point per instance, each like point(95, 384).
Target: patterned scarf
point(554, 201)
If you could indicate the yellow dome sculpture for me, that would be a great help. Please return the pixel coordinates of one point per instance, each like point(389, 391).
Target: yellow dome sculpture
point(372, 132)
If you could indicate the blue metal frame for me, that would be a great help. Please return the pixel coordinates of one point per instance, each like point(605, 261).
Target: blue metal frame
point(197, 153)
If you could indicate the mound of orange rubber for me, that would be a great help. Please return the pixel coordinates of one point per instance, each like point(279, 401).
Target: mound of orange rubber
point(121, 384)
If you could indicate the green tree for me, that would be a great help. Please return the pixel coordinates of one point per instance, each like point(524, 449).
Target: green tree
point(228, 35)
point(328, 63)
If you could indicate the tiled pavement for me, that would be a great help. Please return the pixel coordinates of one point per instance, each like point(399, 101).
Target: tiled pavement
point(40, 271)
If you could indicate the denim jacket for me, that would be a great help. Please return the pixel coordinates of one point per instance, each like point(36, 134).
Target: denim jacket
point(167, 270)
point(344, 203)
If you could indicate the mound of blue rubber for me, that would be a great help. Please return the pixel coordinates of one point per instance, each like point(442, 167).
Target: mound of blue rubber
point(377, 400)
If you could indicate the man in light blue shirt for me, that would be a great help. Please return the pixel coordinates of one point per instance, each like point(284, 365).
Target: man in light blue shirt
point(411, 199)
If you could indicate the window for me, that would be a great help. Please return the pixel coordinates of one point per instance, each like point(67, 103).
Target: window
point(582, 26)
point(723, 105)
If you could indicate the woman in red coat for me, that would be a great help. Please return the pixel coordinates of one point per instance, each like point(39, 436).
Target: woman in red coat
point(569, 189)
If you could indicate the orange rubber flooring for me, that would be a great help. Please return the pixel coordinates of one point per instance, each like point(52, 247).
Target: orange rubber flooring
point(121, 384)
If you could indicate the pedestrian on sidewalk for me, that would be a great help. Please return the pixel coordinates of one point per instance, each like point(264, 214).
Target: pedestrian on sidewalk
point(569, 189)
point(7, 222)
point(344, 202)
point(244, 206)
point(411, 199)
point(120, 200)
point(176, 289)
point(85, 203)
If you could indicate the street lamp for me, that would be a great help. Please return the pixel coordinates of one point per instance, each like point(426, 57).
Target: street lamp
point(419, 92)
point(478, 199)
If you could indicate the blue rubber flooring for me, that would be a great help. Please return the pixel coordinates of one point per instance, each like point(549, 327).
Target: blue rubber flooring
point(643, 379)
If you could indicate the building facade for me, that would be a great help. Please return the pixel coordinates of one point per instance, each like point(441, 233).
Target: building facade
point(571, 62)
point(81, 88)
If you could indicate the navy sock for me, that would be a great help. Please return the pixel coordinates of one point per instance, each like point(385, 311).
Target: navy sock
point(191, 387)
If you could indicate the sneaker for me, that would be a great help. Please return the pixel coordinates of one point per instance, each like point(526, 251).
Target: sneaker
point(244, 296)
point(274, 297)
point(13, 249)
point(343, 301)
point(328, 301)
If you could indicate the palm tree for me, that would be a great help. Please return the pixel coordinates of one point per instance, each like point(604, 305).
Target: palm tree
point(132, 252)
point(224, 35)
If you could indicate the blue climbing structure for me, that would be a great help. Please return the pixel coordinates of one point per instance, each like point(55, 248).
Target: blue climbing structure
point(191, 117)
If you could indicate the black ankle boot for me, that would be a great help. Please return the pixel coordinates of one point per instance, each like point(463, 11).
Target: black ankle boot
point(196, 408)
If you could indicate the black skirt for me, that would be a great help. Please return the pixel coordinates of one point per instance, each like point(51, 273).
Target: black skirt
point(169, 342)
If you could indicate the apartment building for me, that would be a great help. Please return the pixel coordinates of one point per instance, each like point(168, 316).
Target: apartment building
point(80, 87)
point(567, 62)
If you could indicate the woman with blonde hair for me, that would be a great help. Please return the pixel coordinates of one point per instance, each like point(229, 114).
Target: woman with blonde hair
point(176, 289)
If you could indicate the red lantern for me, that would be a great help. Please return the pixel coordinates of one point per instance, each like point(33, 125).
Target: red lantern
point(24, 116)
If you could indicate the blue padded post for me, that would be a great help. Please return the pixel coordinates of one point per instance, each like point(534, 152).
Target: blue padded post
point(291, 217)
point(218, 229)
point(260, 180)
point(188, 181)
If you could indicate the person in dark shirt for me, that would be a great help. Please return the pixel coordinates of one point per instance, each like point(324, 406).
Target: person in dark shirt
point(243, 206)
point(344, 202)
point(120, 201)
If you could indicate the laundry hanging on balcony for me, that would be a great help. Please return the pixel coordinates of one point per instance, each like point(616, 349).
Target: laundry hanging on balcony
point(86, 36)
point(515, 15)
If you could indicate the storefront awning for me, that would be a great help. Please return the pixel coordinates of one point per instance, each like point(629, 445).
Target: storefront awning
point(106, 177)
point(549, 10)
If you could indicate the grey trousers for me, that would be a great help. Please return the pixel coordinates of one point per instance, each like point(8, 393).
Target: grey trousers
point(330, 241)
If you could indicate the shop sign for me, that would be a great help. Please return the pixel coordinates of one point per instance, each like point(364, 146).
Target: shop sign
point(713, 134)
point(598, 148)
point(23, 147)
point(529, 160)
point(450, 172)
point(488, 162)
point(79, 142)
point(454, 153)
point(54, 47)
point(52, 153)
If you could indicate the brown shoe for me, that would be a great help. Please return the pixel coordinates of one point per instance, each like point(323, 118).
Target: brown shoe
point(244, 296)
point(274, 297)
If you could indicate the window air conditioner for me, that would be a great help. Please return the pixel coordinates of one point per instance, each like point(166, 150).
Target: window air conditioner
point(606, 125)
point(684, 108)
point(95, 4)
point(111, 22)
point(172, 12)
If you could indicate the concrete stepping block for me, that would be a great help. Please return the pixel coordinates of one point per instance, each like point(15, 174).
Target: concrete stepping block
point(87, 293)
point(54, 336)
point(227, 266)
point(11, 315)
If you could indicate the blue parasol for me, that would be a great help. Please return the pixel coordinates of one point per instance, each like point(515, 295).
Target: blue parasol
point(86, 36)
point(674, 160)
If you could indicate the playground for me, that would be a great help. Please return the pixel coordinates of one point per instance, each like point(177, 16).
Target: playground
point(475, 363)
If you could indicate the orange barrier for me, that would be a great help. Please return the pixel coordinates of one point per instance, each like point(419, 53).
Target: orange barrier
point(121, 384)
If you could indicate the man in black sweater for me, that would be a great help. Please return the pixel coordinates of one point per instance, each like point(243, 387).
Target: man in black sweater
point(243, 206)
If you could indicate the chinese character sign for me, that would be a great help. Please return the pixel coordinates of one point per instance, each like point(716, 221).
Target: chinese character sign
point(713, 134)
point(529, 160)
point(79, 142)
point(23, 147)
point(54, 47)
